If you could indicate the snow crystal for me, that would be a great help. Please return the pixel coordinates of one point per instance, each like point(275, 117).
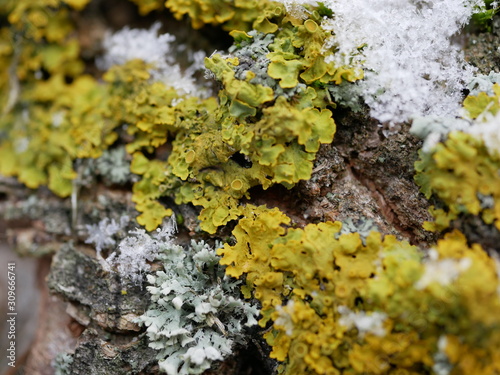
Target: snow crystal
point(295, 7)
point(434, 128)
point(489, 132)
point(129, 44)
point(442, 271)
point(136, 250)
point(442, 365)
point(365, 323)
point(404, 46)
point(284, 318)
point(101, 234)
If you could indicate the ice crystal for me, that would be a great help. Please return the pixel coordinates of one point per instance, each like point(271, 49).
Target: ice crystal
point(441, 271)
point(364, 323)
point(102, 235)
point(284, 319)
point(489, 132)
point(442, 365)
point(433, 129)
point(295, 7)
point(129, 44)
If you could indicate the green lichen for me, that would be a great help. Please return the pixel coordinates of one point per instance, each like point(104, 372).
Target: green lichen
point(231, 14)
point(265, 128)
point(253, 136)
point(45, 123)
point(460, 171)
point(256, 230)
point(338, 298)
point(379, 306)
point(62, 364)
point(263, 131)
point(196, 316)
point(476, 105)
point(61, 122)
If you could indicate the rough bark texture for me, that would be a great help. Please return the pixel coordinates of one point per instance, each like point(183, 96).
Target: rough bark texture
point(366, 176)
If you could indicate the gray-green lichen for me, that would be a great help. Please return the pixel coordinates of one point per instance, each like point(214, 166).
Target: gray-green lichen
point(483, 83)
point(252, 57)
point(62, 364)
point(114, 166)
point(347, 94)
point(195, 316)
point(363, 226)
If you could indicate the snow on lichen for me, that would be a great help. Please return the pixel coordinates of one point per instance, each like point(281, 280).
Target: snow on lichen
point(442, 365)
point(488, 131)
point(433, 128)
point(155, 49)
point(442, 271)
point(143, 44)
point(135, 251)
point(295, 7)
point(284, 317)
point(412, 68)
point(363, 322)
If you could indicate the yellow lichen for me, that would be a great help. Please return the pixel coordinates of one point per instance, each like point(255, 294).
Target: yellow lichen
point(463, 174)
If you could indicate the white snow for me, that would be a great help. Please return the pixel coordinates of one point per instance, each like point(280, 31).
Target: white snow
point(364, 322)
point(158, 50)
point(411, 66)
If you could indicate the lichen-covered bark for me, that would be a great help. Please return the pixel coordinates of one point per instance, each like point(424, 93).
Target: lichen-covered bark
point(98, 296)
point(365, 175)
